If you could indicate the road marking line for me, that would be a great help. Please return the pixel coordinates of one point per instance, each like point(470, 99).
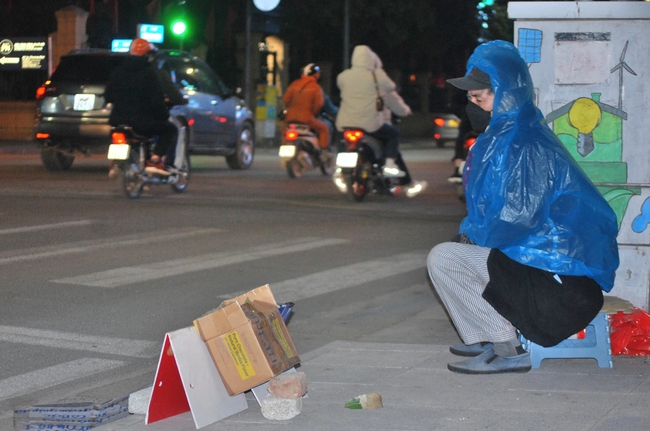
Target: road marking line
point(154, 271)
point(45, 227)
point(86, 246)
point(47, 377)
point(68, 340)
point(344, 277)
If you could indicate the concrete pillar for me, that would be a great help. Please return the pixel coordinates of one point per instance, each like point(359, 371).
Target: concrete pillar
point(589, 62)
point(70, 33)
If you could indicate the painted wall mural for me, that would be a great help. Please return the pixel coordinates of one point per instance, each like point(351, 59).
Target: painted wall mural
point(592, 131)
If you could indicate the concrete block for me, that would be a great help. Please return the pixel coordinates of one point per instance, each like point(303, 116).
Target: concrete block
point(289, 385)
point(139, 401)
point(281, 409)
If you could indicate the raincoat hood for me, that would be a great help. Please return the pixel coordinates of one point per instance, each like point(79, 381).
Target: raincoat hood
point(363, 57)
point(511, 82)
point(525, 193)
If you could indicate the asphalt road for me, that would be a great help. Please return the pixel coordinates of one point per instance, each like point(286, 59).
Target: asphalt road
point(91, 281)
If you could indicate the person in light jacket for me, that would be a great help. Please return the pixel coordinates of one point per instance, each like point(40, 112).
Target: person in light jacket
point(360, 86)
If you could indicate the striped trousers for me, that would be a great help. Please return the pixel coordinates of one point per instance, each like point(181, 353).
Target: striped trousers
point(459, 274)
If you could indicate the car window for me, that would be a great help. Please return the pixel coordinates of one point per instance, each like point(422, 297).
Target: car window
point(90, 69)
point(209, 80)
point(182, 73)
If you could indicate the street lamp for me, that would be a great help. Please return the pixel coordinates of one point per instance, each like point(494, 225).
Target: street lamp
point(264, 6)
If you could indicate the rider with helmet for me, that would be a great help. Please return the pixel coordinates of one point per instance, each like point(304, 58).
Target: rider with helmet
point(361, 86)
point(137, 94)
point(304, 101)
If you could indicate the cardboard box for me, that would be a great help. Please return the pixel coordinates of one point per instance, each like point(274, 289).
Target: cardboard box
point(248, 340)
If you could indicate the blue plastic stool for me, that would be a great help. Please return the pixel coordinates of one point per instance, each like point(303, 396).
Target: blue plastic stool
point(596, 344)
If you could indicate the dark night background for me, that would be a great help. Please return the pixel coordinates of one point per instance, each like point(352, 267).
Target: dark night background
point(410, 36)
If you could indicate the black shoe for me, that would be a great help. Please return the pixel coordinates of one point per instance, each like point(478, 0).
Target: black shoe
point(456, 177)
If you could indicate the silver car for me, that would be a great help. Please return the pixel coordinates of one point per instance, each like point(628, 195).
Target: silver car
point(72, 116)
point(445, 128)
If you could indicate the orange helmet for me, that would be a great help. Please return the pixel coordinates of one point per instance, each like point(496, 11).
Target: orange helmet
point(141, 47)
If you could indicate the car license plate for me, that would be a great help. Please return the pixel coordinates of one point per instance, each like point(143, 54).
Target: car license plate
point(346, 160)
point(84, 102)
point(287, 151)
point(118, 151)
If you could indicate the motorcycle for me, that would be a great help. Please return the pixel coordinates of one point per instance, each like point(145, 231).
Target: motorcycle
point(468, 141)
point(301, 152)
point(359, 168)
point(130, 151)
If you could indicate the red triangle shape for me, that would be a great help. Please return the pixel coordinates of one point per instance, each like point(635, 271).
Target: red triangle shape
point(168, 397)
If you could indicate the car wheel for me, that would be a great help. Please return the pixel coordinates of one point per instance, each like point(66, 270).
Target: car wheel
point(242, 158)
point(55, 160)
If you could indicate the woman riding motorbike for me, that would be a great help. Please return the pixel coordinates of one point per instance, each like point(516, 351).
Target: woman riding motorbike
point(361, 86)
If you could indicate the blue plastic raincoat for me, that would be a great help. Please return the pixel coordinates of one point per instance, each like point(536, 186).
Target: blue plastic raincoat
point(526, 195)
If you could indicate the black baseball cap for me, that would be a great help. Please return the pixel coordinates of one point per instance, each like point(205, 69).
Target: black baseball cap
point(476, 80)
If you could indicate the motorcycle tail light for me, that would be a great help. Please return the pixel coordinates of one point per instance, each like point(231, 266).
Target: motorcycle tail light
point(291, 135)
point(469, 142)
point(440, 122)
point(353, 136)
point(119, 138)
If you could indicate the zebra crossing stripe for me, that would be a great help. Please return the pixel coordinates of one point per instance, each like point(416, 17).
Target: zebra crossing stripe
point(135, 274)
point(86, 246)
point(63, 225)
point(51, 376)
point(344, 277)
point(89, 343)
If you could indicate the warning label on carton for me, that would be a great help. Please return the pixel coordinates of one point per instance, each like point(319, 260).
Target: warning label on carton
point(239, 356)
point(279, 336)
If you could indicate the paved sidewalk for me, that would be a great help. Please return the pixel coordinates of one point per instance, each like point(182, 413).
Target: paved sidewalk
point(419, 393)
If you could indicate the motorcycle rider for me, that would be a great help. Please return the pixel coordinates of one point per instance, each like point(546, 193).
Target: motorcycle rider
point(304, 101)
point(360, 87)
point(137, 94)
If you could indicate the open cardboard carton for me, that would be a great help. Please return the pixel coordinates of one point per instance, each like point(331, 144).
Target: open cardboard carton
point(248, 340)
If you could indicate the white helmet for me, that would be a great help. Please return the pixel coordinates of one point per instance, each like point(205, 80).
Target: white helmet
point(310, 69)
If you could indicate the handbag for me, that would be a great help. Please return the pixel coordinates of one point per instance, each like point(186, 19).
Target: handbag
point(379, 102)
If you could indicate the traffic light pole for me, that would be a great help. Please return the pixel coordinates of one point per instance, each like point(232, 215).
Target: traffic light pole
point(247, 71)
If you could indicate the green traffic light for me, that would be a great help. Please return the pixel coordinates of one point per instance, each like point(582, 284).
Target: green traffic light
point(179, 27)
point(488, 2)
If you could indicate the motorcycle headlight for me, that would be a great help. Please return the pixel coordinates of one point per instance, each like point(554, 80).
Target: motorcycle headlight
point(287, 151)
point(346, 160)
